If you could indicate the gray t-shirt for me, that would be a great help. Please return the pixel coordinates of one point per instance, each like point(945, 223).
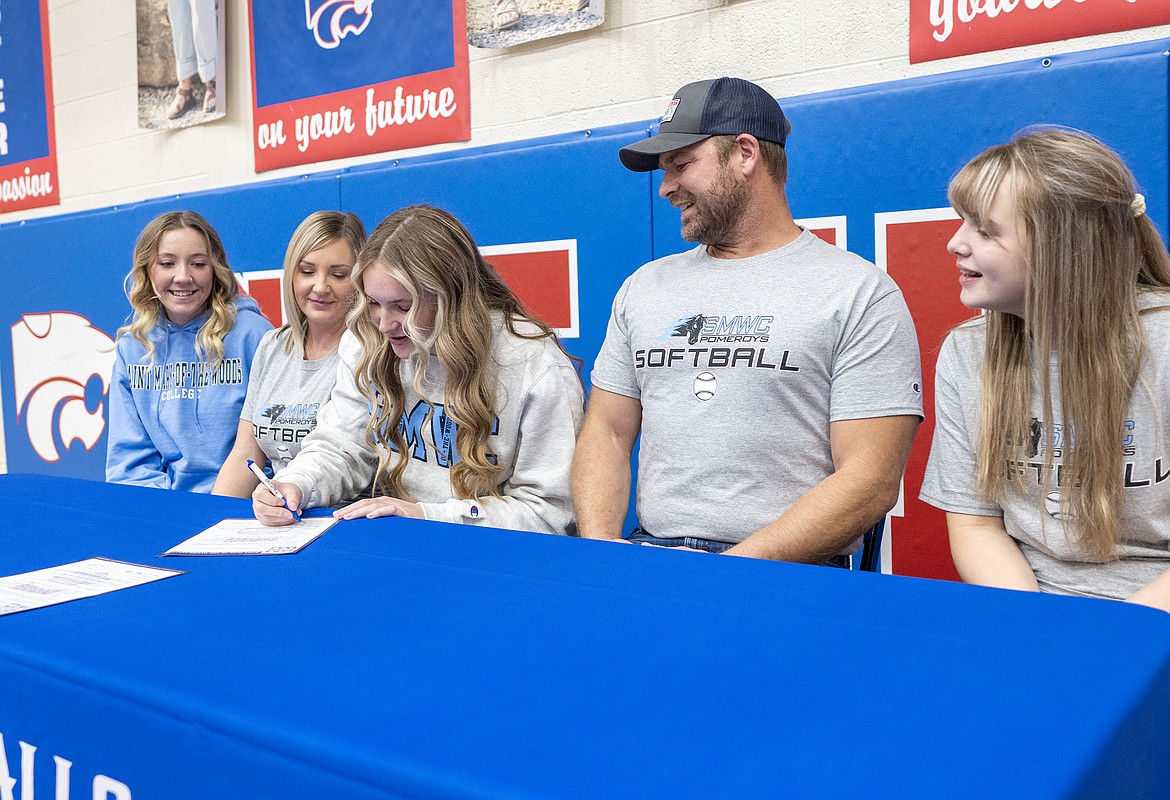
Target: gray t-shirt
point(1032, 517)
point(284, 393)
point(740, 365)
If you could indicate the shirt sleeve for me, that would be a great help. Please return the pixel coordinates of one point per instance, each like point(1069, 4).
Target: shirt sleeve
point(535, 497)
point(877, 372)
point(256, 373)
point(950, 482)
point(336, 462)
point(613, 369)
point(131, 455)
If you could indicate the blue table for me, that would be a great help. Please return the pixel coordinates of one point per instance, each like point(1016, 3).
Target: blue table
point(406, 659)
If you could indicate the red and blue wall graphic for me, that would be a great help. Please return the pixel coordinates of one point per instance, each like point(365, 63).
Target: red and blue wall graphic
point(339, 78)
point(566, 224)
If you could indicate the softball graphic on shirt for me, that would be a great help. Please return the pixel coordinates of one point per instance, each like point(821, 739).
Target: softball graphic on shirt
point(705, 386)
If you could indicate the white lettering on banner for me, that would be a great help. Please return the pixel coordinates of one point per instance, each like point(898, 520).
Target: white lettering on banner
point(407, 109)
point(943, 12)
point(3, 127)
point(62, 777)
point(3, 108)
point(26, 185)
point(312, 127)
point(270, 134)
point(27, 761)
point(104, 787)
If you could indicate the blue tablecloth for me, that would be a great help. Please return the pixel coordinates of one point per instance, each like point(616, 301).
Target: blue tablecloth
point(406, 659)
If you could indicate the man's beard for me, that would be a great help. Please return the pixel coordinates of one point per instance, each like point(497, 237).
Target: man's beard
point(718, 214)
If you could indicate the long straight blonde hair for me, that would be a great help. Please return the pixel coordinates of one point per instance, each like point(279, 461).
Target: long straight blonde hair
point(433, 256)
point(147, 308)
point(1089, 249)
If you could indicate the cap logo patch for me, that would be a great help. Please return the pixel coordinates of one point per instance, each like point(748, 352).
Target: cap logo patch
point(668, 115)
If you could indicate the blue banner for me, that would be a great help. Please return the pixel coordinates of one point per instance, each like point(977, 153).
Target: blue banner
point(23, 123)
point(28, 162)
point(383, 42)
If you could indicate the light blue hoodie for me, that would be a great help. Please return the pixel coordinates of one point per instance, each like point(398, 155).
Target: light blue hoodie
point(172, 424)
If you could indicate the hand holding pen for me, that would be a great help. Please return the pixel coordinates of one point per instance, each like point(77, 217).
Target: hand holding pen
point(270, 496)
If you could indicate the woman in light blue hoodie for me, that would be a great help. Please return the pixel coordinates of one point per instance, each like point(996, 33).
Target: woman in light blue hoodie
point(183, 361)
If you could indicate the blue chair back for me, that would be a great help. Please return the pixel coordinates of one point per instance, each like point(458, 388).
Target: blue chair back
point(871, 548)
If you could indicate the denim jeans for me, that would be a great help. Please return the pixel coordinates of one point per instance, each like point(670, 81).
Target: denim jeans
point(196, 41)
point(710, 545)
point(640, 536)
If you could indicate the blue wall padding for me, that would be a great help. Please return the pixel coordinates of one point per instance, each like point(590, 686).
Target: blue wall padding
point(855, 152)
point(567, 187)
point(895, 146)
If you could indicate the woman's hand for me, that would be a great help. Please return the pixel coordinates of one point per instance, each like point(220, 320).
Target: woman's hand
point(270, 510)
point(1155, 594)
point(380, 507)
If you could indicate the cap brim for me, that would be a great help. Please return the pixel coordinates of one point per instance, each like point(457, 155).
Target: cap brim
point(643, 156)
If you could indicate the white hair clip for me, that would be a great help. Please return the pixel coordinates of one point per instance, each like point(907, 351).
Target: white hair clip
point(1138, 205)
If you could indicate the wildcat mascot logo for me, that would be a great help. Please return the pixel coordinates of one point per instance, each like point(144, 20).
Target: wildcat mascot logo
point(333, 20)
point(54, 358)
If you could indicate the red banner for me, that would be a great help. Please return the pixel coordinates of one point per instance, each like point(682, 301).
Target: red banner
point(301, 124)
point(912, 247)
point(946, 28)
point(542, 274)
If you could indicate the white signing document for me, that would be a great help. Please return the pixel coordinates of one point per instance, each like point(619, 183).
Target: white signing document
point(88, 578)
point(247, 537)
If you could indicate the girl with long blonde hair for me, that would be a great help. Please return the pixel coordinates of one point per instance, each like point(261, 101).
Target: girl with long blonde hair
point(1051, 439)
point(183, 361)
point(296, 364)
point(452, 401)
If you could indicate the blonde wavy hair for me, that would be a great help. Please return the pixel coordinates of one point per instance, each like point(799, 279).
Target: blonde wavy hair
point(146, 307)
point(319, 229)
point(433, 256)
point(1089, 249)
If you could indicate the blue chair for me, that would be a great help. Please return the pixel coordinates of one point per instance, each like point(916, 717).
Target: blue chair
point(871, 548)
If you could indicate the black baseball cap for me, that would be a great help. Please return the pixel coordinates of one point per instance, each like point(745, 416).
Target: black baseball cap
point(719, 106)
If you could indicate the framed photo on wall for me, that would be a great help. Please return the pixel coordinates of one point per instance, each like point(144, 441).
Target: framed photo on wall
point(180, 62)
point(503, 23)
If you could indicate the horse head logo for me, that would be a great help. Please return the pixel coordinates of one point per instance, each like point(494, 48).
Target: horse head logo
point(690, 328)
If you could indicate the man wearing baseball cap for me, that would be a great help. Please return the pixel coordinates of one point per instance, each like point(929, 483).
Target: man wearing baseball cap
point(774, 378)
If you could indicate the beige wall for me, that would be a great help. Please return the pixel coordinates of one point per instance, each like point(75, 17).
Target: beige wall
point(622, 71)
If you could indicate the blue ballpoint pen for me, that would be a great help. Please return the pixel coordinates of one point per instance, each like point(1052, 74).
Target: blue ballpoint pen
point(259, 473)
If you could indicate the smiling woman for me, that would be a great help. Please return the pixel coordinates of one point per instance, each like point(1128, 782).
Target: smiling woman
point(182, 363)
point(181, 275)
point(450, 399)
point(1052, 414)
point(296, 365)
point(990, 251)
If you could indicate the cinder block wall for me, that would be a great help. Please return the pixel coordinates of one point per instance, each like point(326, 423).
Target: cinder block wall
point(622, 71)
